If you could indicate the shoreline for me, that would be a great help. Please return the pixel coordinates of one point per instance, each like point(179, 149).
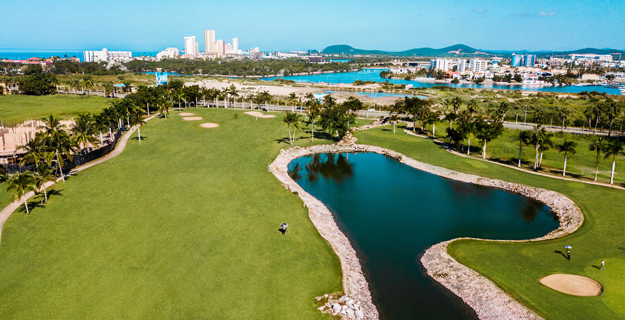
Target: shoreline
point(481, 294)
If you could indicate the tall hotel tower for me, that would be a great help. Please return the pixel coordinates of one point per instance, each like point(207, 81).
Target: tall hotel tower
point(209, 41)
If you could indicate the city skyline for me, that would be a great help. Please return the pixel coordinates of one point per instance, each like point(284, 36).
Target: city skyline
point(530, 25)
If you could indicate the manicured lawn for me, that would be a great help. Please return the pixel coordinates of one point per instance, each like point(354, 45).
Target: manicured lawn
point(183, 225)
point(18, 108)
point(517, 267)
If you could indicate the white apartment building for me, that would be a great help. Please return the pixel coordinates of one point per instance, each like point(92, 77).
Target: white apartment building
point(591, 57)
point(229, 49)
point(462, 65)
point(478, 65)
point(105, 55)
point(189, 46)
point(442, 64)
point(235, 45)
point(168, 53)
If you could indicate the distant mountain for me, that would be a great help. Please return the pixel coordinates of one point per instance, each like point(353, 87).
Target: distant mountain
point(458, 50)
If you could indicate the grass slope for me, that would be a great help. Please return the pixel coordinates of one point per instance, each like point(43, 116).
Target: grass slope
point(18, 108)
point(517, 267)
point(183, 225)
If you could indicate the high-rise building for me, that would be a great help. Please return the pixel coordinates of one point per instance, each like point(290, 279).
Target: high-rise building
point(478, 65)
point(189, 46)
point(229, 49)
point(220, 47)
point(209, 41)
point(517, 60)
point(530, 60)
point(235, 45)
point(197, 49)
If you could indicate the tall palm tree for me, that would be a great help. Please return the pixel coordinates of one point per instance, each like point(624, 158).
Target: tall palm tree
point(20, 184)
point(456, 102)
point(589, 113)
point(486, 131)
point(613, 149)
point(613, 110)
point(563, 114)
point(136, 120)
point(291, 121)
point(43, 174)
point(163, 107)
point(61, 143)
point(313, 111)
point(100, 124)
point(568, 147)
point(537, 137)
point(524, 138)
point(546, 145)
point(51, 124)
point(394, 118)
point(599, 144)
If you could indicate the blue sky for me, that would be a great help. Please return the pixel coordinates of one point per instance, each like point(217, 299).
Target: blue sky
point(142, 25)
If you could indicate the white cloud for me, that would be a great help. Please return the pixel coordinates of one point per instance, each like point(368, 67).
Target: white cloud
point(479, 10)
point(546, 14)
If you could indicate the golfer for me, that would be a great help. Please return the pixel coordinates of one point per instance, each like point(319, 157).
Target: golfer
point(602, 264)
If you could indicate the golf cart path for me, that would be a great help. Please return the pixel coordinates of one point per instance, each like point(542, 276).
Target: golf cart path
point(8, 210)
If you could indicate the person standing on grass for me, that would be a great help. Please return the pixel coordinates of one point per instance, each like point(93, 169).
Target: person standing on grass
point(568, 254)
point(602, 264)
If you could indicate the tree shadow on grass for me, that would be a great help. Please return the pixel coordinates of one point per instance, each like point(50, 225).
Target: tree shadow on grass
point(137, 138)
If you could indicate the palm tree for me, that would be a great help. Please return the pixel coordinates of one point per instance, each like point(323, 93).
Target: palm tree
point(62, 145)
point(456, 102)
point(34, 150)
point(178, 95)
point(613, 110)
point(101, 123)
point(487, 132)
point(466, 126)
point(88, 83)
point(598, 145)
point(84, 131)
point(43, 174)
point(546, 145)
point(313, 111)
point(524, 138)
point(291, 120)
point(536, 137)
point(472, 106)
point(127, 86)
point(136, 120)
point(568, 147)
point(163, 107)
point(21, 183)
point(394, 118)
point(51, 124)
point(563, 114)
point(613, 149)
point(589, 114)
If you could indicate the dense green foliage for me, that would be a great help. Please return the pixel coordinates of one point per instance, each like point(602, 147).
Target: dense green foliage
point(244, 67)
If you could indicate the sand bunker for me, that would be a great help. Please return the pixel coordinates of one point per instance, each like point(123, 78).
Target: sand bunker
point(192, 118)
point(259, 114)
point(185, 114)
point(209, 125)
point(573, 284)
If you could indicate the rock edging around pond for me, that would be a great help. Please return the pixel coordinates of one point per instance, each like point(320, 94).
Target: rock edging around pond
point(485, 297)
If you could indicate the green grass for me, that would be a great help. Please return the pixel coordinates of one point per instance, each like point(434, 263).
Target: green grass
point(18, 108)
point(517, 267)
point(183, 225)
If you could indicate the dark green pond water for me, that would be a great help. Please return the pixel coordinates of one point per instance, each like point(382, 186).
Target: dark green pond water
point(392, 213)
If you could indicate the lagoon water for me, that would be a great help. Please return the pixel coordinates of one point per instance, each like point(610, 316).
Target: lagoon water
point(374, 75)
point(392, 213)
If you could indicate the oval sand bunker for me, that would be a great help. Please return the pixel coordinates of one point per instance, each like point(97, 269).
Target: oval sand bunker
point(192, 118)
point(573, 284)
point(185, 114)
point(209, 125)
point(259, 114)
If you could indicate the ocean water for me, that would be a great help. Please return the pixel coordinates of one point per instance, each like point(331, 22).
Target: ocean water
point(23, 55)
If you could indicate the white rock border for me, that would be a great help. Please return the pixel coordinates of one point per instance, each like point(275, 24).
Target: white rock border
point(484, 296)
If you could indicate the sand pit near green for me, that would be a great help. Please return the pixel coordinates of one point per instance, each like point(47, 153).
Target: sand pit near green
point(186, 114)
point(573, 284)
point(209, 125)
point(192, 118)
point(259, 115)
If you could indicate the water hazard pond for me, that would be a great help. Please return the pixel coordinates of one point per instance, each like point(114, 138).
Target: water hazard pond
point(392, 213)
